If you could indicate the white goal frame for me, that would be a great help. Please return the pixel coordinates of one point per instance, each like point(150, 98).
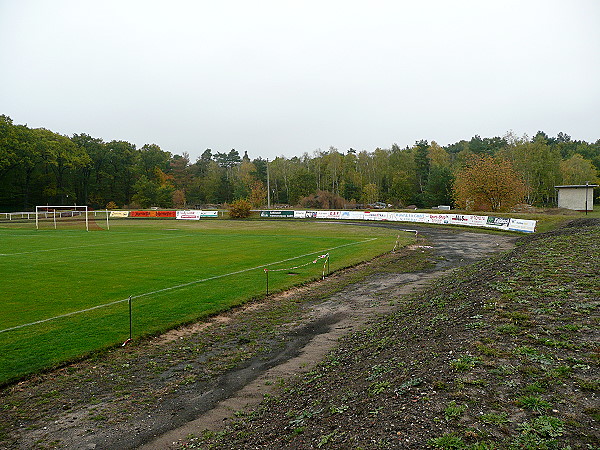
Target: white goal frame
point(46, 209)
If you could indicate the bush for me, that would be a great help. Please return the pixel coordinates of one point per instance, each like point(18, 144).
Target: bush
point(240, 209)
point(323, 200)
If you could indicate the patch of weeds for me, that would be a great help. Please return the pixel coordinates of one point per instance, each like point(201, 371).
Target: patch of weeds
point(503, 370)
point(475, 325)
point(570, 327)
point(589, 385)
point(464, 362)
point(327, 438)
point(594, 413)
point(375, 411)
point(453, 411)
point(189, 379)
point(378, 388)
point(98, 417)
point(407, 385)
point(51, 394)
point(530, 371)
point(518, 317)
point(299, 420)
point(537, 433)
point(338, 409)
point(534, 355)
point(509, 328)
point(441, 386)
point(447, 441)
point(585, 307)
point(487, 350)
point(482, 446)
point(377, 370)
point(557, 344)
point(440, 302)
point(534, 403)
point(439, 318)
point(494, 419)
point(298, 430)
point(536, 387)
point(560, 372)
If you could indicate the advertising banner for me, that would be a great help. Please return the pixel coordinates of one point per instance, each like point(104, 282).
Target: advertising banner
point(439, 218)
point(477, 221)
point(526, 226)
point(459, 219)
point(195, 214)
point(356, 215)
point(139, 213)
point(284, 214)
point(188, 215)
point(375, 215)
point(119, 214)
point(171, 214)
point(497, 222)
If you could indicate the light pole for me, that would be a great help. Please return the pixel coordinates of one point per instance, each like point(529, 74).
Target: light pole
point(268, 187)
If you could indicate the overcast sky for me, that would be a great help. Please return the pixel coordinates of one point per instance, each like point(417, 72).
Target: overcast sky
point(280, 77)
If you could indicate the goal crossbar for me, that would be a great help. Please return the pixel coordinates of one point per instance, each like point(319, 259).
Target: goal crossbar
point(62, 211)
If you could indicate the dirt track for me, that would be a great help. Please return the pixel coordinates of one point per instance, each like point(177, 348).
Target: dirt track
point(304, 339)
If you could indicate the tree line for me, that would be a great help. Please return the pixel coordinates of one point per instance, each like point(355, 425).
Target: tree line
point(38, 166)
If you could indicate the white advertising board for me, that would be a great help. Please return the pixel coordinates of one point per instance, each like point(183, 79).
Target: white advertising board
point(194, 214)
point(526, 226)
point(119, 214)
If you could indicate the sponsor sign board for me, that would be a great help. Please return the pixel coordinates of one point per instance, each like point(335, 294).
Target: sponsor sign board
point(139, 213)
point(278, 213)
point(299, 214)
point(476, 221)
point(439, 218)
point(195, 214)
point(119, 214)
point(500, 222)
point(527, 226)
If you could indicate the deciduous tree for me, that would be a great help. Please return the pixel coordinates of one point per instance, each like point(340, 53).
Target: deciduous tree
point(488, 184)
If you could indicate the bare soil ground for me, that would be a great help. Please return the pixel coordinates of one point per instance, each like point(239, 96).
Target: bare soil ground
point(387, 355)
point(502, 354)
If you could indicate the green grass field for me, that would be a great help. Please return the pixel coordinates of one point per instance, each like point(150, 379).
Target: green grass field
point(176, 272)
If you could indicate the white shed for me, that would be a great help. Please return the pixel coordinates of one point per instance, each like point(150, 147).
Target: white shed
point(579, 197)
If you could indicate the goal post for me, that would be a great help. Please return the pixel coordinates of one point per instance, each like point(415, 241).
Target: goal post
point(56, 214)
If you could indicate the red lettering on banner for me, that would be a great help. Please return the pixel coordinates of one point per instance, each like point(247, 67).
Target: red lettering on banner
point(166, 213)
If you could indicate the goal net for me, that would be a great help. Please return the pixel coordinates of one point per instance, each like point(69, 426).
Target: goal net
point(71, 217)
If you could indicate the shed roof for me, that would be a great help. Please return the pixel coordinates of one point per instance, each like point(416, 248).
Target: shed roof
point(577, 186)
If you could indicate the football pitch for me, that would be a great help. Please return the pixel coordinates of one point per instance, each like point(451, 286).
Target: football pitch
point(66, 291)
